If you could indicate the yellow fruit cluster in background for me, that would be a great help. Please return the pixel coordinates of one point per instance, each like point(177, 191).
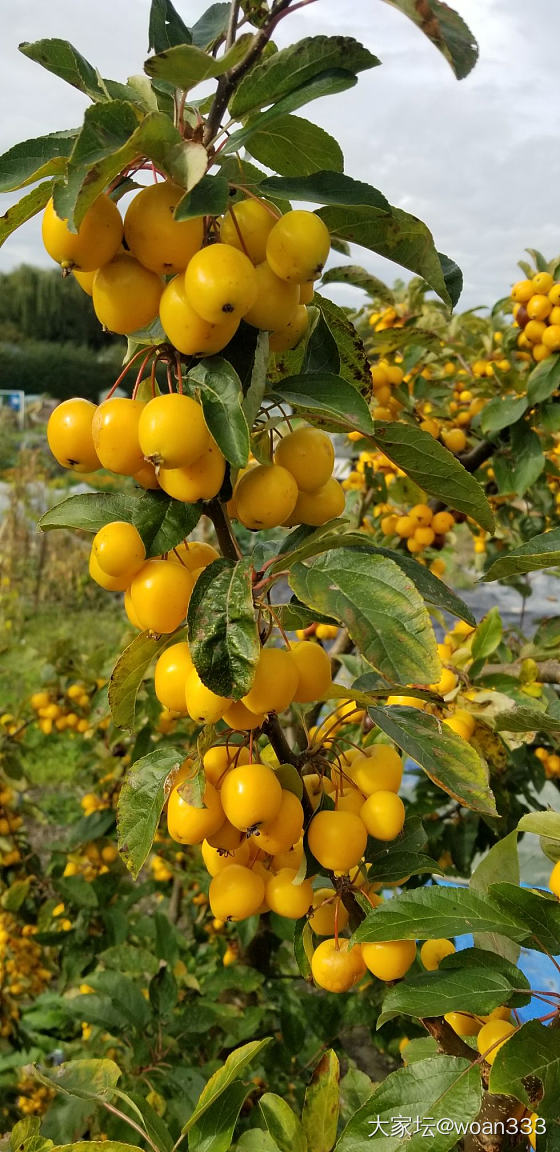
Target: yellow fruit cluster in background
point(536, 311)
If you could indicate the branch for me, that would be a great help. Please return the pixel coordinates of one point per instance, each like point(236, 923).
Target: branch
point(226, 539)
point(548, 670)
point(477, 455)
point(447, 1040)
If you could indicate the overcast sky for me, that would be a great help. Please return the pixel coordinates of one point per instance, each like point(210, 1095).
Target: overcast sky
point(477, 160)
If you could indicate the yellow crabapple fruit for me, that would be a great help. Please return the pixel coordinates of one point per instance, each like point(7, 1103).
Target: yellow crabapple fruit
point(131, 614)
point(247, 225)
point(276, 301)
point(463, 1023)
point(274, 683)
point(241, 719)
point(220, 283)
point(285, 897)
point(285, 829)
point(226, 839)
point(337, 839)
point(432, 952)
point(70, 437)
point(170, 676)
point(306, 292)
point(115, 435)
point(335, 966)
point(554, 881)
point(188, 824)
point(203, 705)
point(186, 330)
point(172, 431)
point(298, 246)
point(324, 915)
point(442, 522)
point(251, 795)
point(490, 1034)
point(85, 280)
point(313, 667)
point(109, 583)
point(383, 814)
point(193, 554)
point(95, 243)
point(390, 959)
point(119, 549)
point(282, 339)
point(551, 337)
point(236, 893)
point(146, 476)
point(315, 508)
point(160, 594)
point(159, 241)
point(308, 453)
point(539, 306)
point(215, 861)
point(542, 282)
point(379, 769)
point(200, 480)
point(265, 496)
point(126, 295)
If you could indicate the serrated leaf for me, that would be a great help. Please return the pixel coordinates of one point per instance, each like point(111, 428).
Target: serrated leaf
point(399, 237)
point(221, 397)
point(526, 720)
point(542, 551)
point(166, 27)
point(211, 26)
point(544, 380)
point(354, 363)
point(61, 58)
point(222, 630)
point(184, 65)
point(501, 860)
point(295, 66)
point(13, 897)
point(324, 84)
point(234, 1065)
point(25, 209)
point(533, 1052)
point(330, 397)
point(161, 522)
point(449, 761)
point(446, 29)
point(141, 802)
point(501, 412)
point(488, 635)
point(34, 159)
point(477, 990)
point(428, 913)
point(539, 915)
point(303, 946)
point(359, 278)
point(453, 277)
point(434, 469)
point(25, 1135)
point(86, 1079)
point(440, 1088)
point(321, 1106)
point(210, 197)
point(541, 824)
point(431, 588)
point(292, 146)
point(326, 187)
point(128, 674)
point(282, 1123)
point(213, 1132)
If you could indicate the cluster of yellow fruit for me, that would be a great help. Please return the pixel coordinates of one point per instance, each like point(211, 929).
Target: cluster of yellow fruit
point(536, 311)
point(421, 527)
point(10, 823)
point(33, 1098)
point(299, 674)
point(255, 264)
point(93, 859)
point(22, 969)
point(550, 761)
point(388, 318)
point(297, 488)
point(251, 835)
point(67, 711)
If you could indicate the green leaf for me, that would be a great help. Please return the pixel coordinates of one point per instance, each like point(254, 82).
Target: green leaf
point(129, 958)
point(447, 31)
point(542, 551)
point(221, 397)
point(184, 65)
point(354, 363)
point(325, 187)
point(282, 1123)
point(448, 760)
point(161, 521)
point(294, 146)
point(427, 913)
point(541, 824)
point(141, 802)
point(525, 720)
point(528, 457)
point(25, 209)
point(61, 58)
point(544, 380)
point(325, 84)
point(430, 587)
point(222, 630)
point(25, 1136)
point(405, 857)
point(321, 351)
point(76, 890)
point(211, 26)
point(477, 990)
point(13, 897)
point(537, 914)
point(106, 128)
point(33, 159)
point(453, 277)
point(501, 860)
point(320, 1109)
point(434, 469)
point(379, 606)
point(97, 1146)
point(441, 1088)
point(234, 1065)
point(488, 635)
point(124, 994)
point(209, 197)
point(254, 394)
point(214, 1130)
point(256, 1140)
point(531, 1053)
point(399, 237)
point(163, 991)
point(128, 674)
point(332, 397)
point(292, 67)
point(359, 278)
point(86, 1079)
point(501, 412)
point(303, 946)
point(166, 29)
